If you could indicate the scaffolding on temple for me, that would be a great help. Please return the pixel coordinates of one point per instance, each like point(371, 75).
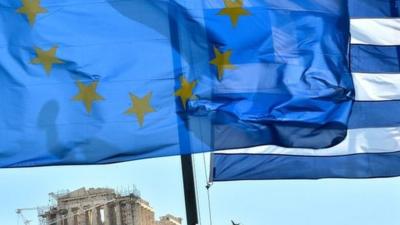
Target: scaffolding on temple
point(99, 206)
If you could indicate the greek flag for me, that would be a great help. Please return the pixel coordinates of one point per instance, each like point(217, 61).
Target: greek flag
point(372, 146)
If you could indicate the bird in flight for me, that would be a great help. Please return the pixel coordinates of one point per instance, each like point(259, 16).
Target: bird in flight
point(233, 223)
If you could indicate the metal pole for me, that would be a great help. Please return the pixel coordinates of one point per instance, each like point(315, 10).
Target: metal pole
point(189, 189)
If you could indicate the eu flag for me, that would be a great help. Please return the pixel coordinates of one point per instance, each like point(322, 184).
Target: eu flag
point(90, 82)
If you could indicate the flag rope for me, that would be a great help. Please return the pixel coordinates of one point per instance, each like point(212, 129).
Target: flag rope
point(208, 186)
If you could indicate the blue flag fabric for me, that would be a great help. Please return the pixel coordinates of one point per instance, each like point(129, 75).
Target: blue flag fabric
point(372, 146)
point(90, 82)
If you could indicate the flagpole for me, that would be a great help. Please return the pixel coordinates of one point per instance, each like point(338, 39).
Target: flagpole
point(189, 190)
point(186, 160)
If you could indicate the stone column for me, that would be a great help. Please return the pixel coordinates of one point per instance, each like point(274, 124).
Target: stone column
point(63, 219)
point(138, 214)
point(129, 213)
point(81, 217)
point(107, 215)
point(59, 219)
point(118, 216)
point(70, 217)
point(95, 216)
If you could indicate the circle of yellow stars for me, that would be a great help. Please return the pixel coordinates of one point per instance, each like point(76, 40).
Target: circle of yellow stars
point(140, 106)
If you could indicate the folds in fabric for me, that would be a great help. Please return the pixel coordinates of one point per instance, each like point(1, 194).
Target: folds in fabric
point(90, 82)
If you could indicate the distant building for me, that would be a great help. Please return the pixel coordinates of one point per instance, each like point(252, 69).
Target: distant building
point(169, 220)
point(103, 206)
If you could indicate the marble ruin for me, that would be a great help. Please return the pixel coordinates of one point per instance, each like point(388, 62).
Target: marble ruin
point(103, 206)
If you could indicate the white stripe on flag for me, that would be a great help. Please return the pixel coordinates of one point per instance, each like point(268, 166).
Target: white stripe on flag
point(376, 86)
point(383, 31)
point(358, 141)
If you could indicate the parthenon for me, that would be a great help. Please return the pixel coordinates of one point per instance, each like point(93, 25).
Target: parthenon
point(103, 206)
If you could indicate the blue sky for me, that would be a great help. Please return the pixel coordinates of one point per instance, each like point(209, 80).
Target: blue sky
point(328, 202)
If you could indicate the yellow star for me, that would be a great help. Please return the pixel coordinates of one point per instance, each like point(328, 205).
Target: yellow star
point(47, 58)
point(222, 62)
point(186, 91)
point(140, 107)
point(234, 9)
point(31, 8)
point(87, 94)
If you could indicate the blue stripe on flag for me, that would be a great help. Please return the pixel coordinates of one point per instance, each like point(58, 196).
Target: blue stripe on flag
point(374, 8)
point(375, 114)
point(375, 59)
point(258, 167)
point(395, 8)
